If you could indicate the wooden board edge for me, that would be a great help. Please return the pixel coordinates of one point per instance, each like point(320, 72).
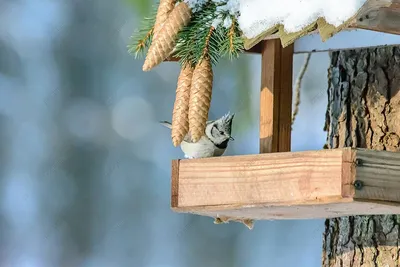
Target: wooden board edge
point(380, 202)
point(311, 202)
point(322, 152)
point(368, 208)
point(175, 183)
point(285, 101)
point(385, 165)
point(275, 211)
point(348, 172)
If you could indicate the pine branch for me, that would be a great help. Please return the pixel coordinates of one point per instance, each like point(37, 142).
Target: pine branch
point(140, 40)
point(193, 39)
point(231, 44)
point(200, 38)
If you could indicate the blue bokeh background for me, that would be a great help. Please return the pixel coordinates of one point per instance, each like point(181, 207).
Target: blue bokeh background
point(85, 168)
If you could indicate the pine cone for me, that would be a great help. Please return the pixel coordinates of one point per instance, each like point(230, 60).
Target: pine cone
point(164, 8)
point(200, 98)
point(163, 45)
point(180, 118)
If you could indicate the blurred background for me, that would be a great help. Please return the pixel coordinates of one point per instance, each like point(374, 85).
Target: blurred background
point(84, 165)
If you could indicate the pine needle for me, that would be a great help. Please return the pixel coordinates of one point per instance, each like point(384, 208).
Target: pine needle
point(139, 45)
point(231, 44)
point(140, 40)
point(198, 39)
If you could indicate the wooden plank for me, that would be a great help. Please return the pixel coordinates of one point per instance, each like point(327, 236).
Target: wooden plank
point(266, 178)
point(269, 96)
point(337, 208)
point(379, 175)
point(285, 105)
point(276, 97)
point(289, 185)
point(174, 183)
point(379, 15)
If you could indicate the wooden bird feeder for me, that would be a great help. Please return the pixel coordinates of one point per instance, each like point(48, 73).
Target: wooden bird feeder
point(279, 184)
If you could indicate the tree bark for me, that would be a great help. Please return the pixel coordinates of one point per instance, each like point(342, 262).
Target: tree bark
point(363, 111)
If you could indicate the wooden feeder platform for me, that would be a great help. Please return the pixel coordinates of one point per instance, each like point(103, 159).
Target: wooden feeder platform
point(279, 184)
point(289, 185)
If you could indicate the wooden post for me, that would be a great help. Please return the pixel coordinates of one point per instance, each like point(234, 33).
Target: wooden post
point(276, 97)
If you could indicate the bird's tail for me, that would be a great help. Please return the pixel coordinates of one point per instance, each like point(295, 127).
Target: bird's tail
point(166, 124)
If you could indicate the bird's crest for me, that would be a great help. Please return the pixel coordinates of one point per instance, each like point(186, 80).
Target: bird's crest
point(226, 120)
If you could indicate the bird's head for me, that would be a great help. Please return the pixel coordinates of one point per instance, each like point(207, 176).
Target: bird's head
point(219, 131)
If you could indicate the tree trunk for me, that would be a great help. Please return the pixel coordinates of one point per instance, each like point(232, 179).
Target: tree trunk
point(363, 111)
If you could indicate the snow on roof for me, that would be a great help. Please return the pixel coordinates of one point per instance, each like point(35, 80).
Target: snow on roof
point(257, 16)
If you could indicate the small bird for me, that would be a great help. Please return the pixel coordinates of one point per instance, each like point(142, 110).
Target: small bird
point(213, 143)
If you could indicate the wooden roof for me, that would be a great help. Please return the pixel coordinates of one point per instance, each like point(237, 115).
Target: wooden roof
point(375, 15)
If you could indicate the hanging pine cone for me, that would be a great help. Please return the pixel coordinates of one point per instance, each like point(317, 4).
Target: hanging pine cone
point(165, 41)
point(180, 117)
point(164, 8)
point(200, 98)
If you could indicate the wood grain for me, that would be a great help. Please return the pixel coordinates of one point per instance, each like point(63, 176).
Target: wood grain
point(380, 175)
point(276, 97)
point(333, 209)
point(174, 183)
point(378, 15)
point(287, 185)
point(269, 96)
point(268, 178)
point(285, 106)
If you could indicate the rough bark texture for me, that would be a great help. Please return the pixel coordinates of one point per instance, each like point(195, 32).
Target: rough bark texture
point(363, 111)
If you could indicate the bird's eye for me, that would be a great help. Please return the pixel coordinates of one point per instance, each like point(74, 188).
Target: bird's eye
point(221, 132)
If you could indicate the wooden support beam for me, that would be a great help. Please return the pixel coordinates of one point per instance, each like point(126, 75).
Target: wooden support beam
point(289, 185)
point(275, 97)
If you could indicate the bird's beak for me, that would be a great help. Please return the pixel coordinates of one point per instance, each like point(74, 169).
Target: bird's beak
point(231, 138)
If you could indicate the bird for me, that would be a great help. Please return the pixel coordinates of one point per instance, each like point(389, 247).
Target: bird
point(214, 141)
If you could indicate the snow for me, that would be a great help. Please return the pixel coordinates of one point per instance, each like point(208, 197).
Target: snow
point(227, 22)
point(225, 9)
point(257, 16)
point(195, 5)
